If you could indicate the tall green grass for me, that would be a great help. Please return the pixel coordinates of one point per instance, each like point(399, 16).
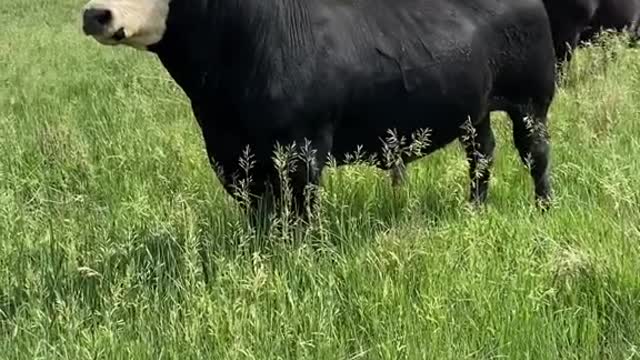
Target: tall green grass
point(116, 240)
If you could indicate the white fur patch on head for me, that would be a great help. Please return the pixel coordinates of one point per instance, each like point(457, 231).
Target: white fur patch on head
point(137, 23)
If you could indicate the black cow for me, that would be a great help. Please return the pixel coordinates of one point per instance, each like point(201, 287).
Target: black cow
point(618, 15)
point(573, 21)
point(338, 74)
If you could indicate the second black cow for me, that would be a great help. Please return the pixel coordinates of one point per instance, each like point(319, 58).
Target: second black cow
point(339, 74)
point(573, 21)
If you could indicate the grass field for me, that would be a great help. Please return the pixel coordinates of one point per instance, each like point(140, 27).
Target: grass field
point(116, 240)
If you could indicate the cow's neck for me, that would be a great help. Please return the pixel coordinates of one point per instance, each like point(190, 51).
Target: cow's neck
point(231, 46)
point(176, 50)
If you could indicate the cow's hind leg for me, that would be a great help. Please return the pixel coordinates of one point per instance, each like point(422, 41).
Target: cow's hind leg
point(531, 139)
point(479, 143)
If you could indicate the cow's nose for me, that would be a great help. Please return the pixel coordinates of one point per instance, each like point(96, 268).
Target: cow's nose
point(94, 21)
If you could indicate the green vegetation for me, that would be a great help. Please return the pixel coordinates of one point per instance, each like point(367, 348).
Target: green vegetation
point(116, 240)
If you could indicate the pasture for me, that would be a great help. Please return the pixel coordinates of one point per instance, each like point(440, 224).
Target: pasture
point(117, 241)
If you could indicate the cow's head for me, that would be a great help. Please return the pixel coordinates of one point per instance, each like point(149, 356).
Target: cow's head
point(137, 23)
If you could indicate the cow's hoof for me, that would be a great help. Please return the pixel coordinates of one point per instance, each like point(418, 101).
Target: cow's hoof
point(544, 203)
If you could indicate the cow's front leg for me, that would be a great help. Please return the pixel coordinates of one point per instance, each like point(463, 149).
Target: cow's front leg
point(309, 158)
point(243, 171)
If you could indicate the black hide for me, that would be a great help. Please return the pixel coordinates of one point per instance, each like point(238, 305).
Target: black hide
point(573, 21)
point(340, 73)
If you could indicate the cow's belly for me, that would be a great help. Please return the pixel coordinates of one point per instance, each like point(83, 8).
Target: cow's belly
point(437, 99)
point(366, 130)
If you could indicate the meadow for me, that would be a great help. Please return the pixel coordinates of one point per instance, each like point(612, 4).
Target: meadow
point(118, 242)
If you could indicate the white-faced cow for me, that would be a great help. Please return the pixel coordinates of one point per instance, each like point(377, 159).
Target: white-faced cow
point(573, 21)
point(338, 74)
